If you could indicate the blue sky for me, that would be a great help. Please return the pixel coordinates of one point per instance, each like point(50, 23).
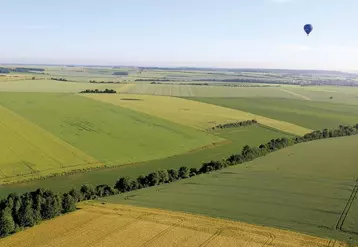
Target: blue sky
point(225, 33)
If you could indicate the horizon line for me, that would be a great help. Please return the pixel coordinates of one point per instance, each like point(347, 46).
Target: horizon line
point(170, 67)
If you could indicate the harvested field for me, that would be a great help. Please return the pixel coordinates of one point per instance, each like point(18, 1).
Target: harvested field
point(116, 225)
point(192, 113)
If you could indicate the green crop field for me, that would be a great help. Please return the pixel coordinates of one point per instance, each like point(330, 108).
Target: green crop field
point(303, 188)
point(309, 114)
point(111, 134)
point(350, 224)
point(346, 95)
point(208, 91)
point(236, 139)
point(28, 152)
point(52, 86)
point(192, 113)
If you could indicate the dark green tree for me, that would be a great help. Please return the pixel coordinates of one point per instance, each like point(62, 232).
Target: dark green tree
point(52, 205)
point(26, 213)
point(163, 176)
point(183, 172)
point(173, 175)
point(142, 181)
point(76, 194)
point(68, 203)
point(7, 224)
point(193, 172)
point(123, 184)
point(153, 178)
point(87, 192)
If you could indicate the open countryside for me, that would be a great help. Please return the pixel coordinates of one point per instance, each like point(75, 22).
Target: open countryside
point(31, 152)
point(313, 115)
point(300, 188)
point(235, 140)
point(99, 129)
point(158, 156)
point(193, 113)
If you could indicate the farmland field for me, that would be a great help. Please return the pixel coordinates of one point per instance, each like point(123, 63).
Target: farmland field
point(111, 134)
point(115, 225)
point(303, 188)
point(31, 152)
point(235, 139)
point(207, 91)
point(52, 86)
point(347, 95)
point(192, 113)
point(48, 128)
point(309, 114)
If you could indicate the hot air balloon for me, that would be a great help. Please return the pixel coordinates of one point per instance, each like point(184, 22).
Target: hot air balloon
point(308, 28)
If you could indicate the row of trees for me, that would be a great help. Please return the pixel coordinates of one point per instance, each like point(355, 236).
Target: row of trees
point(58, 79)
point(110, 82)
point(99, 91)
point(18, 212)
point(248, 85)
point(4, 70)
point(120, 73)
point(20, 70)
point(235, 124)
point(29, 209)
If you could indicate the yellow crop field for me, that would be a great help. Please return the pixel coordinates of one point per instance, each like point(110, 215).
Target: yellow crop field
point(118, 225)
point(27, 151)
point(196, 114)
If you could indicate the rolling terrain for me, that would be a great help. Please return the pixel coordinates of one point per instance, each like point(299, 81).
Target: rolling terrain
point(301, 188)
point(194, 114)
point(111, 135)
point(61, 140)
point(29, 152)
point(309, 114)
point(235, 139)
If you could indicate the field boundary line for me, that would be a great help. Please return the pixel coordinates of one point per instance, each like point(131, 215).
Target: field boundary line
point(347, 207)
point(295, 94)
point(162, 233)
point(211, 238)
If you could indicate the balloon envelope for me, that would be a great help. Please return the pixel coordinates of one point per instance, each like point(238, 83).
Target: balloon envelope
point(308, 28)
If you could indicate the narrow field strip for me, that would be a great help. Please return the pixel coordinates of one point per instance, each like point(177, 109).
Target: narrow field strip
point(27, 151)
point(195, 114)
point(119, 225)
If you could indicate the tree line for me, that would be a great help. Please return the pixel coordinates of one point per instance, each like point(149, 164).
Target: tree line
point(58, 79)
point(20, 211)
point(235, 124)
point(120, 73)
point(99, 91)
point(110, 82)
point(20, 70)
